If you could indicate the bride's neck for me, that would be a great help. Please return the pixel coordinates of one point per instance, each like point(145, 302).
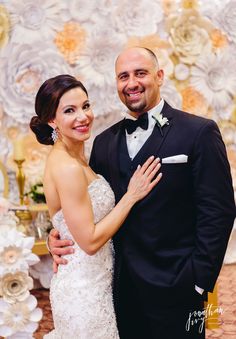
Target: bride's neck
point(74, 150)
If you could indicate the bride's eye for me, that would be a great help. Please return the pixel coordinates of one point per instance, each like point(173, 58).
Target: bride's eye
point(69, 110)
point(86, 106)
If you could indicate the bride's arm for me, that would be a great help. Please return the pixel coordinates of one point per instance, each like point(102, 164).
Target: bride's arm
point(72, 188)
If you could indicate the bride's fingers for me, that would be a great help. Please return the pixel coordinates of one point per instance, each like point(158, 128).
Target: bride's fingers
point(155, 181)
point(147, 163)
point(151, 167)
point(152, 174)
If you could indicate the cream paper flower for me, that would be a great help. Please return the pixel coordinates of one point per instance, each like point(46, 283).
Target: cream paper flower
point(32, 22)
point(15, 251)
point(213, 77)
point(4, 26)
point(19, 317)
point(226, 19)
point(23, 69)
point(15, 286)
point(189, 35)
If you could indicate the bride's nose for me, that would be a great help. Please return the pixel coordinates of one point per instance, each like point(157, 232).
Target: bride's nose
point(80, 115)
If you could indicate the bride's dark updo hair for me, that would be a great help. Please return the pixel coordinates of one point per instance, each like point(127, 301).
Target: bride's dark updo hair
point(46, 103)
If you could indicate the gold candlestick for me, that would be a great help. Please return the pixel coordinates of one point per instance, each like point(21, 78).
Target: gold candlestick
point(20, 178)
point(23, 214)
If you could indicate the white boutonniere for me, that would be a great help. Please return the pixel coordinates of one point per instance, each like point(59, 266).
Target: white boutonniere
point(161, 121)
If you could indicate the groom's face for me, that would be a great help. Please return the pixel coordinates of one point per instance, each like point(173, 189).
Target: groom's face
point(138, 80)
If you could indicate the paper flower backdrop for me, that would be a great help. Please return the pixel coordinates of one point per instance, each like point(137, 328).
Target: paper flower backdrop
point(194, 40)
point(19, 315)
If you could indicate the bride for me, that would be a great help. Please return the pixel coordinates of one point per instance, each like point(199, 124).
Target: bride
point(81, 206)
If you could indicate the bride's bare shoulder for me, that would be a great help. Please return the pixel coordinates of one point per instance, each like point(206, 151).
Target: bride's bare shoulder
point(61, 165)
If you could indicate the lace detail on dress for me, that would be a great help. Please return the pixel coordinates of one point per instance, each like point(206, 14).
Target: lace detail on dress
point(81, 291)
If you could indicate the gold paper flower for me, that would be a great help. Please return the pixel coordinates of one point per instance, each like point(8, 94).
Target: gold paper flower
point(4, 26)
point(15, 287)
point(218, 39)
point(71, 41)
point(194, 102)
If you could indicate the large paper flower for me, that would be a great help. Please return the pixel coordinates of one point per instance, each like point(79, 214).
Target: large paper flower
point(226, 19)
point(96, 63)
point(71, 41)
point(15, 252)
point(15, 286)
point(23, 69)
point(4, 26)
point(137, 19)
point(212, 78)
point(19, 317)
point(33, 22)
point(189, 35)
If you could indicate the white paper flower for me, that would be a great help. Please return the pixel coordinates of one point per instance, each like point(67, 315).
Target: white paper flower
point(189, 35)
point(137, 19)
point(43, 271)
point(19, 317)
point(8, 221)
point(96, 63)
point(170, 94)
point(15, 251)
point(226, 19)
point(105, 101)
point(181, 72)
point(23, 69)
point(81, 10)
point(33, 22)
point(213, 77)
point(15, 287)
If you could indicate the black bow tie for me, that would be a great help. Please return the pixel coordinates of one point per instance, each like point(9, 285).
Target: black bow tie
point(131, 125)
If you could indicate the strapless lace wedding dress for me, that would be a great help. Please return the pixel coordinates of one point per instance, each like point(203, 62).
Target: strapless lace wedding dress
point(81, 291)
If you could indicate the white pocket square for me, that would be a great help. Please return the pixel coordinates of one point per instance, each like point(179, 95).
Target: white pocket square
point(175, 159)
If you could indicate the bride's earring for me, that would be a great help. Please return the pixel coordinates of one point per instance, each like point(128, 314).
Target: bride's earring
point(54, 135)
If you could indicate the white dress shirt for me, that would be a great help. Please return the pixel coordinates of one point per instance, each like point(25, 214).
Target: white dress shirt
point(137, 139)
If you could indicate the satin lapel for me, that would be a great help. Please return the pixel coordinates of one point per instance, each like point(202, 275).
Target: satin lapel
point(113, 158)
point(153, 145)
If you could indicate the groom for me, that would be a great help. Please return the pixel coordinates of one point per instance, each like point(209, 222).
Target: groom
point(170, 249)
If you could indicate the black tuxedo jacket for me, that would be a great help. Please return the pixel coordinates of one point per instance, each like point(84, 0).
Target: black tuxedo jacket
point(175, 237)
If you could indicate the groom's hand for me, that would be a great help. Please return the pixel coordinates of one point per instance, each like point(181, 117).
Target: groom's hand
point(58, 248)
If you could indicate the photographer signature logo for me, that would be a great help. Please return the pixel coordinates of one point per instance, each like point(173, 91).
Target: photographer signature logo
point(198, 318)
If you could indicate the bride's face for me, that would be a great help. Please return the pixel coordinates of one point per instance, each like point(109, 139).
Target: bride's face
point(74, 115)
